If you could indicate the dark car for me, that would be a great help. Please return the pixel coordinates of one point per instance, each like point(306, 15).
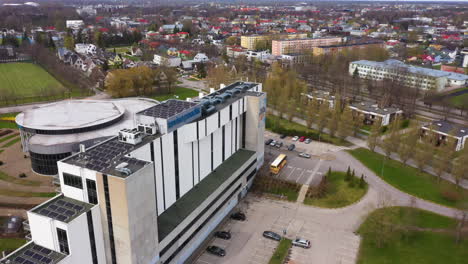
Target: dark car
point(268, 141)
point(271, 235)
point(216, 251)
point(291, 147)
point(223, 235)
point(239, 216)
point(282, 136)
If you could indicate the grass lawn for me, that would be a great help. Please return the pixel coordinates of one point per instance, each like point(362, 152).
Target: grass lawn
point(459, 100)
point(8, 137)
point(8, 123)
point(281, 251)
point(7, 192)
point(340, 193)
point(8, 178)
point(11, 243)
point(26, 79)
point(419, 247)
point(180, 92)
point(290, 194)
point(283, 126)
point(11, 142)
point(408, 179)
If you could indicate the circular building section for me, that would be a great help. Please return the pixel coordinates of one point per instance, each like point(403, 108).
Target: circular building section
point(54, 131)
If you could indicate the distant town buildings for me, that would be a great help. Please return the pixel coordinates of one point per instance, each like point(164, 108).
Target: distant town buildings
point(412, 76)
point(326, 49)
point(290, 46)
point(249, 42)
point(74, 24)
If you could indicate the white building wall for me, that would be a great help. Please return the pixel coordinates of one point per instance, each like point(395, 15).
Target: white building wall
point(98, 234)
point(224, 115)
point(212, 123)
point(185, 162)
point(169, 172)
point(195, 162)
point(205, 156)
point(217, 148)
point(228, 140)
point(158, 175)
point(78, 239)
point(42, 232)
point(201, 128)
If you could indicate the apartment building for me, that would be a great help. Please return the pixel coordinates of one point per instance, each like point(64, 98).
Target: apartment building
point(291, 46)
point(153, 193)
point(327, 49)
point(249, 42)
point(412, 76)
point(370, 112)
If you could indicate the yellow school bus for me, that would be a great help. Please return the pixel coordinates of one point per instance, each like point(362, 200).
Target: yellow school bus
point(278, 164)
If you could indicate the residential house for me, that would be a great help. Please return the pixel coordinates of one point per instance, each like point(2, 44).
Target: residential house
point(441, 132)
point(371, 112)
point(167, 60)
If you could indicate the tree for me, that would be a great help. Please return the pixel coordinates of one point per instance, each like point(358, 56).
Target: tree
point(373, 137)
point(443, 161)
point(362, 182)
point(69, 42)
point(232, 40)
point(460, 166)
point(346, 124)
point(391, 143)
point(348, 174)
point(310, 113)
point(324, 113)
point(408, 144)
point(423, 154)
point(99, 39)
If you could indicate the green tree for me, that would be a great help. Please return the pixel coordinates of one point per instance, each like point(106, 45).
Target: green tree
point(423, 154)
point(69, 42)
point(323, 114)
point(373, 137)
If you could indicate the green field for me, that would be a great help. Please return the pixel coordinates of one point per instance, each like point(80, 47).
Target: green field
point(435, 244)
point(180, 93)
point(26, 80)
point(459, 100)
point(409, 179)
point(340, 194)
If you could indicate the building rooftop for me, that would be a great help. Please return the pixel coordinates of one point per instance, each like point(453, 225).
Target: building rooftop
point(168, 108)
point(447, 128)
point(106, 156)
point(183, 207)
point(373, 107)
point(33, 254)
point(70, 115)
point(62, 208)
point(398, 65)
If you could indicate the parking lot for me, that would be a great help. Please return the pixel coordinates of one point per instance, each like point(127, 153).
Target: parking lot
point(298, 169)
point(331, 236)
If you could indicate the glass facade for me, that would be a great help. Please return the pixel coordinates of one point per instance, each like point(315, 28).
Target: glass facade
point(46, 163)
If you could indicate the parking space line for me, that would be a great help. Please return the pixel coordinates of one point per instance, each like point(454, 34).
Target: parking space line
point(300, 176)
point(291, 173)
point(202, 261)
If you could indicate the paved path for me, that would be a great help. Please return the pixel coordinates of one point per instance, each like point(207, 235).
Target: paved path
point(195, 85)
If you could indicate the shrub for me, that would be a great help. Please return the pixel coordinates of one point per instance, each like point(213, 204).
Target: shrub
point(383, 129)
point(405, 123)
point(22, 175)
point(450, 195)
point(1, 163)
point(362, 182)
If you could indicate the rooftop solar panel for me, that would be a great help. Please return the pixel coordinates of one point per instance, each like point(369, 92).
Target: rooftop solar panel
point(46, 260)
point(61, 218)
point(46, 251)
point(28, 253)
point(36, 247)
point(44, 212)
point(37, 256)
point(19, 259)
point(60, 210)
point(53, 215)
point(53, 206)
point(28, 262)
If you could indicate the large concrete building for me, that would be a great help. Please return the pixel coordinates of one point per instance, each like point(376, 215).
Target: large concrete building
point(292, 46)
point(249, 42)
point(335, 48)
point(412, 76)
point(153, 193)
point(54, 131)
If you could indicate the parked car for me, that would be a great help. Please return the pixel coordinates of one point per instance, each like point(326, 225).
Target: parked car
point(301, 139)
point(279, 144)
point(271, 235)
point(268, 141)
point(295, 138)
point(308, 140)
point(304, 155)
point(273, 143)
point(223, 235)
point(216, 251)
point(299, 242)
point(239, 216)
point(291, 147)
point(282, 136)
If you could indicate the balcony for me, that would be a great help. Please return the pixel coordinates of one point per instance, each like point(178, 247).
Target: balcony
point(56, 180)
point(28, 237)
point(26, 226)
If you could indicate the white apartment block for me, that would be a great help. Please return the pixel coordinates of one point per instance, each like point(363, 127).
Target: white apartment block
point(412, 76)
point(293, 46)
point(156, 192)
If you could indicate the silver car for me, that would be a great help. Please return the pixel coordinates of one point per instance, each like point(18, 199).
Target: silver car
point(304, 155)
point(299, 242)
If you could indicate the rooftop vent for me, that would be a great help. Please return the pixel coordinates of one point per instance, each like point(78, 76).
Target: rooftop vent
point(130, 136)
point(439, 124)
point(462, 130)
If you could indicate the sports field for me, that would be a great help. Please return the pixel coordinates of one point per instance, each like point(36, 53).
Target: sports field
point(26, 80)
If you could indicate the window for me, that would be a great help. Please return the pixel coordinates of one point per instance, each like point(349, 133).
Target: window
point(72, 180)
point(92, 194)
point(63, 241)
